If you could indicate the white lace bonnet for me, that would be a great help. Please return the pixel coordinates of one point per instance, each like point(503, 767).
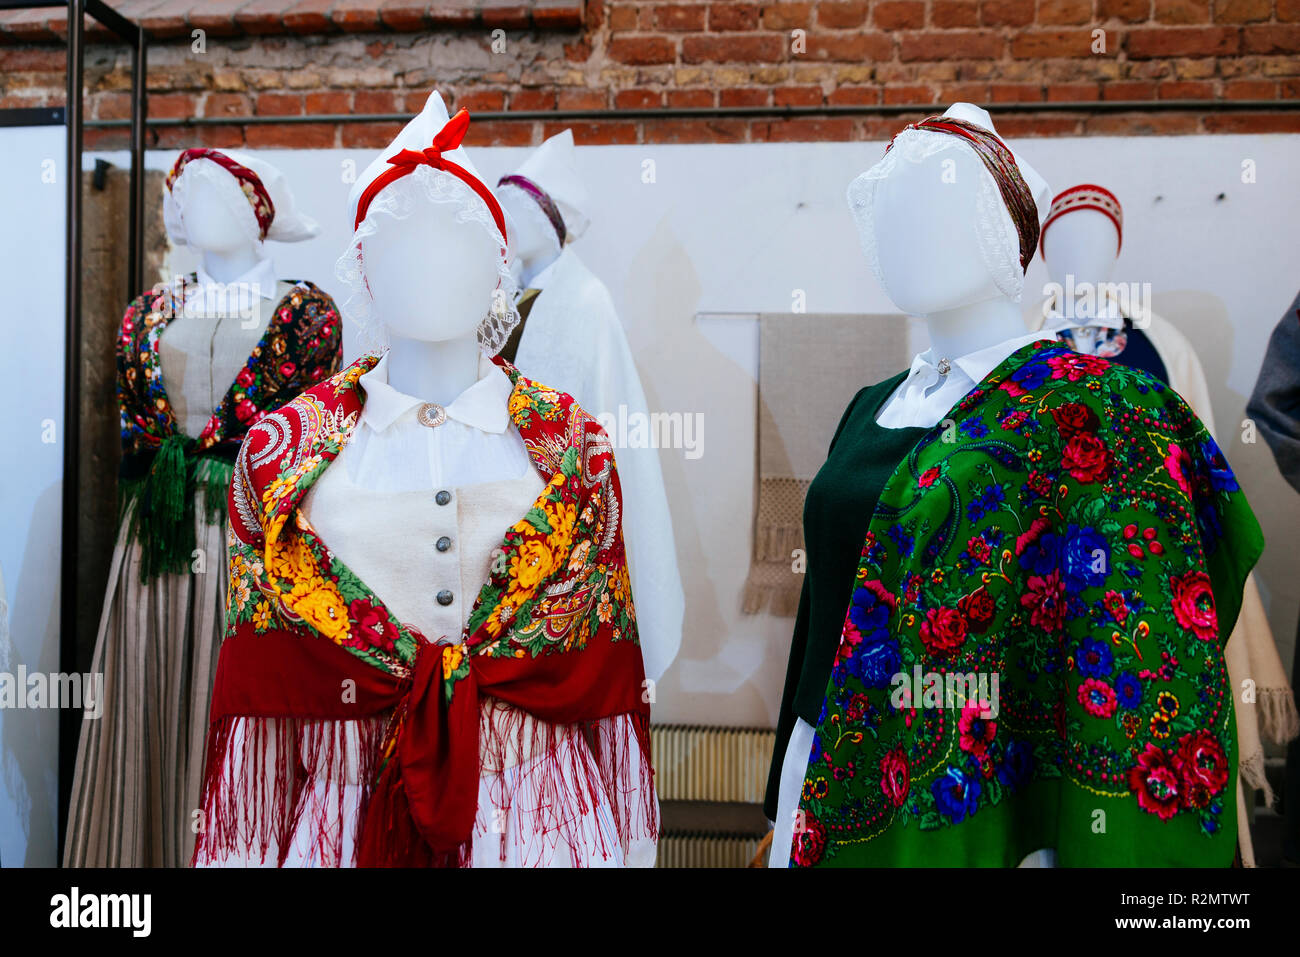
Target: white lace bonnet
point(1000, 241)
point(288, 224)
point(549, 177)
point(397, 200)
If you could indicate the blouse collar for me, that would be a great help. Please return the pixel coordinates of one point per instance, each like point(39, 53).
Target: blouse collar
point(978, 364)
point(260, 278)
point(483, 406)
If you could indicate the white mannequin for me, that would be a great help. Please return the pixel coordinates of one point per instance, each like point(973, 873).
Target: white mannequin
point(1080, 250)
point(532, 239)
point(432, 312)
point(201, 354)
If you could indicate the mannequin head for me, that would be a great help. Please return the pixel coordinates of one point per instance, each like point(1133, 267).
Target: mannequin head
point(431, 275)
point(926, 236)
point(1083, 245)
point(211, 223)
point(533, 239)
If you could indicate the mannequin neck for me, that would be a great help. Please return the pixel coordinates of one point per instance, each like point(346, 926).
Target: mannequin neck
point(433, 371)
point(967, 329)
point(534, 264)
point(227, 265)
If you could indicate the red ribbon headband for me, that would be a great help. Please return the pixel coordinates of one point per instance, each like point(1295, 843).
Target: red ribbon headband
point(249, 182)
point(999, 161)
point(1086, 196)
point(405, 163)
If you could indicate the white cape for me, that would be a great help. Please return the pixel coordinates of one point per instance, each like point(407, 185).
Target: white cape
point(573, 341)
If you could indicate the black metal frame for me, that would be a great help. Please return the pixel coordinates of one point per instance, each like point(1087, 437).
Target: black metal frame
point(134, 35)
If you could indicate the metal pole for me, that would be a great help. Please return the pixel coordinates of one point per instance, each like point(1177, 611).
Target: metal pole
point(139, 111)
point(70, 718)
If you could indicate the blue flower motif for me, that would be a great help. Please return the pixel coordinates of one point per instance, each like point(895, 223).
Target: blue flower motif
point(956, 794)
point(1031, 375)
point(1042, 556)
point(985, 502)
point(1128, 690)
point(905, 542)
point(1017, 765)
point(1085, 559)
point(1094, 659)
point(976, 428)
point(875, 664)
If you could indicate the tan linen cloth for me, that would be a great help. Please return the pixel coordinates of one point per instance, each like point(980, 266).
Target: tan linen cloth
point(810, 368)
point(140, 764)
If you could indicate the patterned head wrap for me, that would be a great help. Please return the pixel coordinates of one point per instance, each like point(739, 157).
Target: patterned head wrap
point(997, 158)
point(1086, 196)
point(249, 182)
point(542, 199)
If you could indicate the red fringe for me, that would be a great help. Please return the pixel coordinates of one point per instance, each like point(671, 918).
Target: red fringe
point(291, 792)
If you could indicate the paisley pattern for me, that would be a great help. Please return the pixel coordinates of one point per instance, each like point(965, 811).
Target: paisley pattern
point(1033, 643)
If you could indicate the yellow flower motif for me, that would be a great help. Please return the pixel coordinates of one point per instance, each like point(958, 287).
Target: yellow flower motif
point(240, 593)
point(262, 617)
point(451, 659)
point(322, 607)
point(533, 563)
point(518, 404)
point(578, 557)
point(605, 610)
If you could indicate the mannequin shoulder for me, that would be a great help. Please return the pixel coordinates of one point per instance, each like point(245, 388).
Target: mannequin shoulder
point(318, 419)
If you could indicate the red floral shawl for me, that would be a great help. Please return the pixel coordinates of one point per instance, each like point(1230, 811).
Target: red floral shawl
point(552, 633)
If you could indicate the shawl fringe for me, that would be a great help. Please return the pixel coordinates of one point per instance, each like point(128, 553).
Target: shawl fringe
point(159, 507)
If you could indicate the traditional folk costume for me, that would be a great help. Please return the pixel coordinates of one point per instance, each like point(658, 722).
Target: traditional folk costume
point(570, 333)
point(1265, 702)
point(510, 730)
point(139, 766)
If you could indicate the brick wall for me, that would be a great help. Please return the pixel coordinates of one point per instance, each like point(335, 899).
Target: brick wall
point(274, 58)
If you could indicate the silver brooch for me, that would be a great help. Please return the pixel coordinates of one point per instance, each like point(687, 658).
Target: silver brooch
point(432, 415)
point(944, 367)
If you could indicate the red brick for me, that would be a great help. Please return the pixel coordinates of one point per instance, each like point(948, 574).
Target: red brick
point(309, 16)
point(1271, 39)
point(113, 106)
point(1042, 44)
point(596, 133)
point(375, 101)
point(850, 47)
point(854, 96)
point(733, 48)
point(911, 93)
point(623, 19)
point(532, 100)
point(1159, 42)
point(368, 135)
point(226, 104)
point(298, 136)
point(34, 59)
point(1073, 92)
point(797, 96)
point(638, 100)
point(403, 15)
point(1251, 89)
point(1182, 11)
point(787, 16)
point(1018, 125)
point(564, 14)
point(842, 15)
point(581, 100)
point(1186, 90)
point(1243, 11)
point(501, 133)
point(168, 20)
point(642, 50)
point(216, 17)
point(725, 17)
point(1253, 122)
point(679, 18)
point(279, 104)
point(951, 45)
point(947, 14)
point(334, 102)
point(506, 14)
point(1128, 90)
point(704, 130)
point(173, 106)
point(1015, 92)
point(744, 96)
point(356, 16)
point(963, 93)
point(260, 17)
point(805, 129)
point(481, 101)
point(1064, 12)
point(1130, 11)
point(906, 14)
point(1288, 11)
point(690, 99)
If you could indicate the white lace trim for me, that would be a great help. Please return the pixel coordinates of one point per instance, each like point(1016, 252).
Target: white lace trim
point(523, 206)
point(232, 195)
point(998, 240)
point(397, 201)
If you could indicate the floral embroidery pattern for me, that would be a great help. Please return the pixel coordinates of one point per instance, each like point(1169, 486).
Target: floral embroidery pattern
point(1072, 540)
point(556, 580)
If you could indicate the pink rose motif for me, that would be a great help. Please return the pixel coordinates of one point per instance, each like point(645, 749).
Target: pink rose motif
point(1178, 464)
point(895, 776)
point(1193, 604)
point(370, 624)
point(810, 843)
point(1046, 601)
point(245, 377)
point(287, 369)
point(1097, 698)
point(1156, 781)
point(928, 477)
point(943, 631)
point(1204, 766)
point(245, 410)
point(1086, 457)
point(1073, 367)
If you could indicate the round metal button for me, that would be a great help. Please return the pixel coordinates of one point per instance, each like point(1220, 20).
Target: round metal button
point(445, 597)
point(443, 497)
point(444, 543)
